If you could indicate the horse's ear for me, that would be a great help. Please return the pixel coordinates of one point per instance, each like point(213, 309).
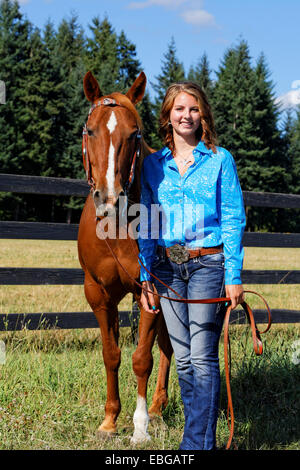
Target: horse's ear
point(91, 87)
point(136, 92)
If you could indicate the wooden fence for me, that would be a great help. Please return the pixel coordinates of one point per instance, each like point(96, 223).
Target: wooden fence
point(61, 276)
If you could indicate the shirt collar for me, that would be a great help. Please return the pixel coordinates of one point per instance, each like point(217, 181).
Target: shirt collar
point(200, 148)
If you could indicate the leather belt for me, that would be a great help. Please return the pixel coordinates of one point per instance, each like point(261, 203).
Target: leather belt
point(180, 254)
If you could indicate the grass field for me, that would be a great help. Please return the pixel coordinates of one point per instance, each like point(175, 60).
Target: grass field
point(53, 383)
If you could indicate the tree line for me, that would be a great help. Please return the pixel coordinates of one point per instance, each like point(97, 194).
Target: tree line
point(41, 121)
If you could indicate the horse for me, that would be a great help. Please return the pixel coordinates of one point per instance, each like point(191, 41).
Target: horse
point(113, 151)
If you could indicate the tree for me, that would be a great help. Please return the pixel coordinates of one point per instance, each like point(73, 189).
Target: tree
point(129, 65)
point(289, 219)
point(38, 101)
point(294, 154)
point(234, 104)
point(68, 61)
point(172, 70)
point(271, 149)
point(14, 57)
point(246, 122)
point(200, 74)
point(102, 54)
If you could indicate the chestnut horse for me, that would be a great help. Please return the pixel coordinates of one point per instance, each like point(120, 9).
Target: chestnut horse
point(113, 150)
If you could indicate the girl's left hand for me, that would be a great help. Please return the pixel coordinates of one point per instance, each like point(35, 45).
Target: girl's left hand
point(236, 294)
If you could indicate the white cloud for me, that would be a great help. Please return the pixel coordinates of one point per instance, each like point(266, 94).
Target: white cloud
point(291, 99)
point(150, 3)
point(198, 17)
point(190, 10)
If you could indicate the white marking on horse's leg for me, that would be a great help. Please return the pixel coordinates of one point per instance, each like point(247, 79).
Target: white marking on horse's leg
point(140, 420)
point(112, 122)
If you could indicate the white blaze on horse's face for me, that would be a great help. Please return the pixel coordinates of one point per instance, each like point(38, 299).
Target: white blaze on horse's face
point(110, 174)
point(108, 207)
point(112, 145)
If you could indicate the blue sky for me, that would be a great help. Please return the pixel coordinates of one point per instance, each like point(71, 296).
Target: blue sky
point(211, 26)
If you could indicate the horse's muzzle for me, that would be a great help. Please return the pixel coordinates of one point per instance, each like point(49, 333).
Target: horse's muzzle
point(105, 205)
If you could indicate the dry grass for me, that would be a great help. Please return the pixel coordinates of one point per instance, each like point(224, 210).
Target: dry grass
point(63, 254)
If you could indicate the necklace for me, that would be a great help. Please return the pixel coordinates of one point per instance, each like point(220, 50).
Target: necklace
point(184, 161)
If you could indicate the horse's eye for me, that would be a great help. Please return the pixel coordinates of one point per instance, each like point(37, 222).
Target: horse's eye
point(90, 132)
point(132, 135)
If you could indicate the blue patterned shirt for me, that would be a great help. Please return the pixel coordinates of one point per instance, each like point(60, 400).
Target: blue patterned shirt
point(202, 208)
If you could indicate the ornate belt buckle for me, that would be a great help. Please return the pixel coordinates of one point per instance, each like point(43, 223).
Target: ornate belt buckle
point(178, 253)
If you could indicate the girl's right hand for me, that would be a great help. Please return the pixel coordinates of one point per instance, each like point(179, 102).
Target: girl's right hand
point(148, 299)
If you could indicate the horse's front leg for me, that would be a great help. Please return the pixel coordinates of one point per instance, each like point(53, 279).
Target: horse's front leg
point(142, 362)
point(107, 315)
point(160, 397)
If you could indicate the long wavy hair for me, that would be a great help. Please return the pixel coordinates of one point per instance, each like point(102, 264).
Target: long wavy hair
point(206, 130)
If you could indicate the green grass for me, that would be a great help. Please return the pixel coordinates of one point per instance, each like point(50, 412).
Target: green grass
point(53, 383)
point(53, 389)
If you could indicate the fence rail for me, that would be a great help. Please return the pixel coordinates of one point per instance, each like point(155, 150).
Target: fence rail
point(62, 276)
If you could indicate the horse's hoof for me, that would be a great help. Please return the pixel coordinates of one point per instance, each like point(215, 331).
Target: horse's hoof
point(155, 416)
point(105, 435)
point(157, 421)
point(139, 437)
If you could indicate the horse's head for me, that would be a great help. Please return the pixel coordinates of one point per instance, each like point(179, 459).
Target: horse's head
point(111, 139)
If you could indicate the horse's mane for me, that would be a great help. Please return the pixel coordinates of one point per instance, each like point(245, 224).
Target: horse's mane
point(145, 149)
point(125, 101)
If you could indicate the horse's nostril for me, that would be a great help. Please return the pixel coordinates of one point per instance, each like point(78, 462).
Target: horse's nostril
point(96, 193)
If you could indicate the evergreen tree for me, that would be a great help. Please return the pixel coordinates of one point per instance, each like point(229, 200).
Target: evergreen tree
point(14, 57)
point(289, 219)
point(294, 154)
point(234, 104)
point(246, 122)
point(200, 74)
point(68, 60)
point(102, 57)
point(129, 65)
point(145, 109)
point(172, 70)
point(271, 151)
point(37, 98)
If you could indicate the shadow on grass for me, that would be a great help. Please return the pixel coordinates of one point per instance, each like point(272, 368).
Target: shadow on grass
point(266, 404)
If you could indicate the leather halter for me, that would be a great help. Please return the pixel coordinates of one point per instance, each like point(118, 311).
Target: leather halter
point(85, 153)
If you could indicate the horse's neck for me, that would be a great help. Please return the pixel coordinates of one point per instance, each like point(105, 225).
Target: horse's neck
point(136, 187)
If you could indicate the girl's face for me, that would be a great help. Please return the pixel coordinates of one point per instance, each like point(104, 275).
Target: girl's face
point(185, 115)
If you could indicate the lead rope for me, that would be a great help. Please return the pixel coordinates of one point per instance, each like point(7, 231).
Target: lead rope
point(257, 343)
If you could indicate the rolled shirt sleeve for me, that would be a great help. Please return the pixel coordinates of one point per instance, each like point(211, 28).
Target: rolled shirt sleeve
point(147, 245)
point(232, 219)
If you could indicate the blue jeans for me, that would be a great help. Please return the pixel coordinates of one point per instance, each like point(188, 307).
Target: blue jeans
point(194, 331)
